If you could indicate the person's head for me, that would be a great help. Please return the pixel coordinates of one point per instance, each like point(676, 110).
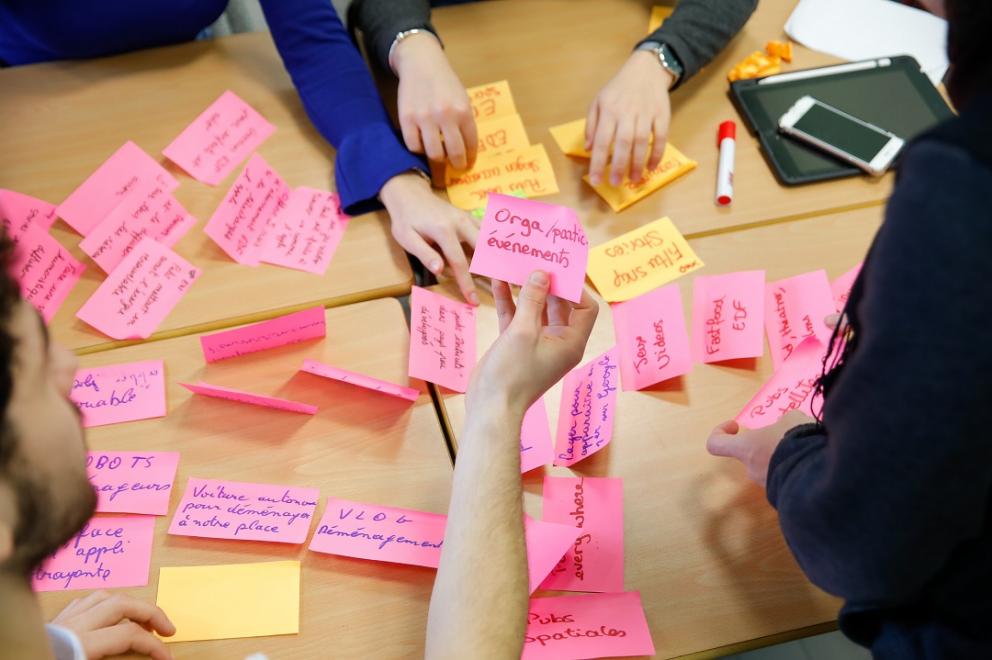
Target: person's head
point(969, 24)
point(45, 496)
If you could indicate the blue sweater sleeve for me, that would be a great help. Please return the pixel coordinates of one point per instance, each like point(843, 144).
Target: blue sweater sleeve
point(340, 98)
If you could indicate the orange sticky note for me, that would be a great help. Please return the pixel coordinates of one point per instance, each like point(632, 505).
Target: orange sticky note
point(673, 165)
point(524, 171)
point(658, 16)
point(491, 100)
point(501, 134)
point(571, 138)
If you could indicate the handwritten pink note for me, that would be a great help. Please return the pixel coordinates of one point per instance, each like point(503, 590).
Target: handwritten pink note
point(108, 552)
point(519, 236)
point(241, 224)
point(282, 331)
point(245, 511)
point(593, 626)
point(305, 234)
point(26, 211)
point(219, 139)
point(44, 269)
point(841, 287)
point(651, 338)
point(137, 296)
point(132, 482)
point(218, 392)
point(105, 188)
point(588, 404)
point(791, 387)
point(795, 308)
point(380, 533)
point(728, 321)
point(594, 505)
point(120, 393)
point(442, 339)
point(361, 380)
point(546, 543)
point(536, 448)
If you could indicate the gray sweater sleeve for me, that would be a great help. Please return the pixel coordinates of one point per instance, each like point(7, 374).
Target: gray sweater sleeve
point(381, 20)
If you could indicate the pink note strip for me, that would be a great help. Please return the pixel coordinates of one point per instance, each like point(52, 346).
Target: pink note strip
point(841, 287)
point(108, 552)
point(106, 187)
point(305, 234)
point(593, 626)
point(547, 543)
point(588, 404)
point(442, 339)
point(45, 270)
point(651, 339)
point(519, 236)
point(132, 481)
point(137, 296)
point(380, 533)
point(282, 331)
point(361, 380)
point(791, 387)
point(245, 511)
point(120, 393)
point(795, 309)
point(219, 139)
point(728, 321)
point(25, 210)
point(536, 448)
point(218, 392)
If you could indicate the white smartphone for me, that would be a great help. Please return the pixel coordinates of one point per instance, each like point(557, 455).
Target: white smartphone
point(851, 139)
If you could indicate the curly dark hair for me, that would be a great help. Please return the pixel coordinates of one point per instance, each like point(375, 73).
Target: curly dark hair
point(969, 24)
point(10, 295)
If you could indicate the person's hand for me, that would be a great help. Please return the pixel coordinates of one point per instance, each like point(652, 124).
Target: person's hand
point(425, 224)
point(626, 113)
point(541, 339)
point(434, 110)
point(113, 624)
point(753, 447)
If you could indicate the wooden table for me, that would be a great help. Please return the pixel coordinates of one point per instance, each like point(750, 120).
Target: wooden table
point(361, 446)
point(59, 121)
point(702, 544)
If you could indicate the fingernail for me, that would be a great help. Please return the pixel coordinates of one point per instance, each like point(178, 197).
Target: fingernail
point(539, 278)
point(473, 297)
point(435, 266)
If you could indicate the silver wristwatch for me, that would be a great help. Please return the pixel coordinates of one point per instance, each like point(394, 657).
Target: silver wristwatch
point(669, 62)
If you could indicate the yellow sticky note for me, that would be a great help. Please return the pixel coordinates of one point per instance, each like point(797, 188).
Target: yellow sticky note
point(673, 165)
point(571, 138)
point(501, 134)
point(641, 261)
point(492, 100)
point(526, 172)
point(658, 16)
point(231, 600)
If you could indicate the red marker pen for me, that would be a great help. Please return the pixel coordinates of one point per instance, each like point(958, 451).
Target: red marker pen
point(727, 141)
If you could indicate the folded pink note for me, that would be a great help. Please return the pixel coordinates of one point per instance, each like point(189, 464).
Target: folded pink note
point(519, 236)
point(380, 533)
point(795, 308)
point(241, 224)
point(652, 343)
point(536, 448)
point(282, 331)
point(588, 404)
point(728, 321)
point(108, 552)
point(791, 387)
point(442, 339)
point(26, 211)
point(306, 233)
point(137, 296)
point(105, 188)
point(245, 511)
point(219, 139)
point(120, 393)
point(132, 481)
point(218, 392)
point(361, 380)
point(44, 269)
point(593, 626)
point(841, 287)
point(547, 542)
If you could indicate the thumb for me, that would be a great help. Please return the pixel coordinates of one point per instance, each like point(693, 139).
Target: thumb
point(533, 296)
point(724, 441)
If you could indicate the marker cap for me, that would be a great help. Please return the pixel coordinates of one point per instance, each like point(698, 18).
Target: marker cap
point(728, 129)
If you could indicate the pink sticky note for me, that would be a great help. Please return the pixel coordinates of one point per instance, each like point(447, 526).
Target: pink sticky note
point(841, 287)
point(519, 236)
point(380, 533)
point(728, 321)
point(593, 626)
point(282, 331)
point(305, 234)
point(536, 448)
point(791, 387)
point(361, 380)
point(795, 308)
point(241, 224)
point(588, 404)
point(24, 210)
point(45, 270)
point(547, 542)
point(652, 343)
point(245, 511)
point(132, 481)
point(219, 139)
point(108, 552)
point(137, 296)
point(442, 339)
point(218, 392)
point(147, 209)
point(120, 393)
point(106, 187)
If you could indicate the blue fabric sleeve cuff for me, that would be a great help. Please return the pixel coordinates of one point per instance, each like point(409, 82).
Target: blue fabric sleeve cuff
point(796, 444)
point(366, 160)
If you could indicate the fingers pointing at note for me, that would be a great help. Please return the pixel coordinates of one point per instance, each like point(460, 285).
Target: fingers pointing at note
point(114, 624)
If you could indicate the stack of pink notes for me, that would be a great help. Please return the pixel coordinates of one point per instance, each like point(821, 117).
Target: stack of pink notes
point(652, 343)
point(728, 321)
